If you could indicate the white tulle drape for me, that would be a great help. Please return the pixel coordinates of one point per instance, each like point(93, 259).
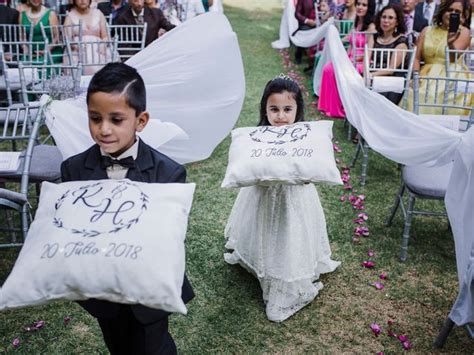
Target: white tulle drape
point(412, 140)
point(217, 7)
point(195, 88)
point(405, 138)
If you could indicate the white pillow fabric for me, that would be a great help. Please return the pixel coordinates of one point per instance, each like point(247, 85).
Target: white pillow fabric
point(116, 240)
point(291, 154)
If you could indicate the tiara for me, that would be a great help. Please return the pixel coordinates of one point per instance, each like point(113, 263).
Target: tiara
point(282, 76)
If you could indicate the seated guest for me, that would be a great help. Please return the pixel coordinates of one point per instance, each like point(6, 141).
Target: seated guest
point(347, 11)
point(138, 14)
point(94, 29)
point(172, 10)
point(22, 6)
point(36, 14)
point(306, 15)
point(113, 8)
point(428, 8)
point(390, 27)
point(152, 4)
point(414, 20)
point(330, 103)
point(431, 51)
point(192, 8)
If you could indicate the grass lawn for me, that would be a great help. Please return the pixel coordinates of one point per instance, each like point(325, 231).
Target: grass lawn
point(228, 313)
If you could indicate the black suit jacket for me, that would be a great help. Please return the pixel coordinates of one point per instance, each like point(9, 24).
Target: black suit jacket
point(8, 16)
point(151, 166)
point(419, 21)
point(154, 19)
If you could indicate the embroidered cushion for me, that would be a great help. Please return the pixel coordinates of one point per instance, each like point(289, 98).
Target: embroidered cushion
point(115, 240)
point(291, 154)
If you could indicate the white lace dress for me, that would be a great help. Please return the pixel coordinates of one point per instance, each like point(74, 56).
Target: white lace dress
point(278, 233)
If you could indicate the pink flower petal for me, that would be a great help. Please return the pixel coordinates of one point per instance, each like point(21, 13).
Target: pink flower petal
point(346, 170)
point(355, 240)
point(336, 148)
point(379, 285)
point(402, 338)
point(380, 353)
point(368, 264)
point(370, 253)
point(338, 161)
point(390, 321)
point(16, 342)
point(375, 329)
point(406, 345)
point(39, 324)
point(67, 319)
point(347, 187)
point(345, 178)
point(363, 216)
point(384, 276)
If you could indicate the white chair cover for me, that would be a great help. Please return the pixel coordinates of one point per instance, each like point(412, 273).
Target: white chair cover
point(194, 79)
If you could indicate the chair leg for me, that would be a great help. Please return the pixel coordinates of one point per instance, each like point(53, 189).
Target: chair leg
point(349, 130)
point(396, 204)
point(443, 334)
point(356, 154)
point(365, 162)
point(406, 228)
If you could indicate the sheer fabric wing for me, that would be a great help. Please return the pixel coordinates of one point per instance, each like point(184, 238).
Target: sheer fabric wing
point(194, 78)
point(195, 89)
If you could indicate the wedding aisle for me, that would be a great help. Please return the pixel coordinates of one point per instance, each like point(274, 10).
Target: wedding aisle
point(228, 314)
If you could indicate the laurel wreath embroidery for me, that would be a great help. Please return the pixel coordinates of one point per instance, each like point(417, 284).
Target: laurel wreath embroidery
point(280, 141)
point(90, 233)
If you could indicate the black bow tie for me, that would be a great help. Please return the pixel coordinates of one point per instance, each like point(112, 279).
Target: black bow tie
point(127, 162)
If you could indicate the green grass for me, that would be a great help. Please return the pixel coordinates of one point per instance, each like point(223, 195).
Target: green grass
point(228, 313)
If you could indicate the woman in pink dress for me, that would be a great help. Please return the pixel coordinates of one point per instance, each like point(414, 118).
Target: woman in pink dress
point(94, 29)
point(329, 101)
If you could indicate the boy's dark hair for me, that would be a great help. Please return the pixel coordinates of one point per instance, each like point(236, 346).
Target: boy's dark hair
point(277, 86)
point(401, 27)
point(120, 78)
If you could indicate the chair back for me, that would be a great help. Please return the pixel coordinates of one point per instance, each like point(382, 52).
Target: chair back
point(60, 81)
point(390, 60)
point(19, 123)
point(452, 96)
point(18, 45)
point(93, 53)
point(58, 34)
point(459, 61)
point(4, 80)
point(130, 39)
point(344, 27)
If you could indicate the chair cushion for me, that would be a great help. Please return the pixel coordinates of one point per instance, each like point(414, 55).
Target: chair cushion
point(428, 182)
point(45, 165)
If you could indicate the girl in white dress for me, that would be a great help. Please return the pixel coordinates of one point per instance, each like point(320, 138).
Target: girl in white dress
point(278, 233)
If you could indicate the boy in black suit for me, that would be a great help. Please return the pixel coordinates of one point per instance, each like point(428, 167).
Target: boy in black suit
point(116, 101)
